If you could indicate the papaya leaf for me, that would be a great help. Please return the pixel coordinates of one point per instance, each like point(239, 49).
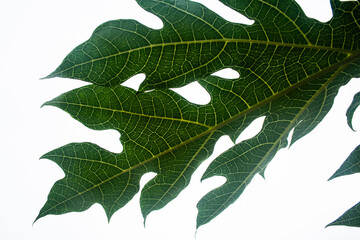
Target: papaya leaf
point(350, 218)
point(351, 110)
point(351, 165)
point(290, 70)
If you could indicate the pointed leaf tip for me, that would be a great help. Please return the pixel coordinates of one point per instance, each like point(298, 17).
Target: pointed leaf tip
point(45, 104)
point(350, 166)
point(350, 218)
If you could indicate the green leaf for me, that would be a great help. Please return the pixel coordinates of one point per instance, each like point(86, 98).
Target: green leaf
point(240, 163)
point(351, 110)
point(351, 165)
point(154, 139)
point(290, 67)
point(195, 42)
point(350, 218)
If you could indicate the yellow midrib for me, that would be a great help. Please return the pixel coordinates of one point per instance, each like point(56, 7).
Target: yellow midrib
point(225, 41)
point(131, 113)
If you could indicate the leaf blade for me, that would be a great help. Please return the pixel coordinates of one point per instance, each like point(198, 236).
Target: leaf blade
point(252, 156)
point(350, 218)
point(80, 188)
point(200, 53)
point(287, 67)
point(350, 166)
point(351, 110)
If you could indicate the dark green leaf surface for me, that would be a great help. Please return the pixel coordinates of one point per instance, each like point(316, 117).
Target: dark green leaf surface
point(282, 48)
point(351, 110)
point(351, 165)
point(290, 67)
point(350, 218)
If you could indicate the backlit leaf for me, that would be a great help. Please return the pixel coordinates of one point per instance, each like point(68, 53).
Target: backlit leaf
point(351, 165)
point(351, 110)
point(350, 218)
point(290, 70)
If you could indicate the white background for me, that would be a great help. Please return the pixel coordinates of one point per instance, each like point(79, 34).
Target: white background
point(294, 202)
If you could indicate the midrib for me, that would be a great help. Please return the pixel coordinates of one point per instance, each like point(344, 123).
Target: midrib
point(225, 41)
